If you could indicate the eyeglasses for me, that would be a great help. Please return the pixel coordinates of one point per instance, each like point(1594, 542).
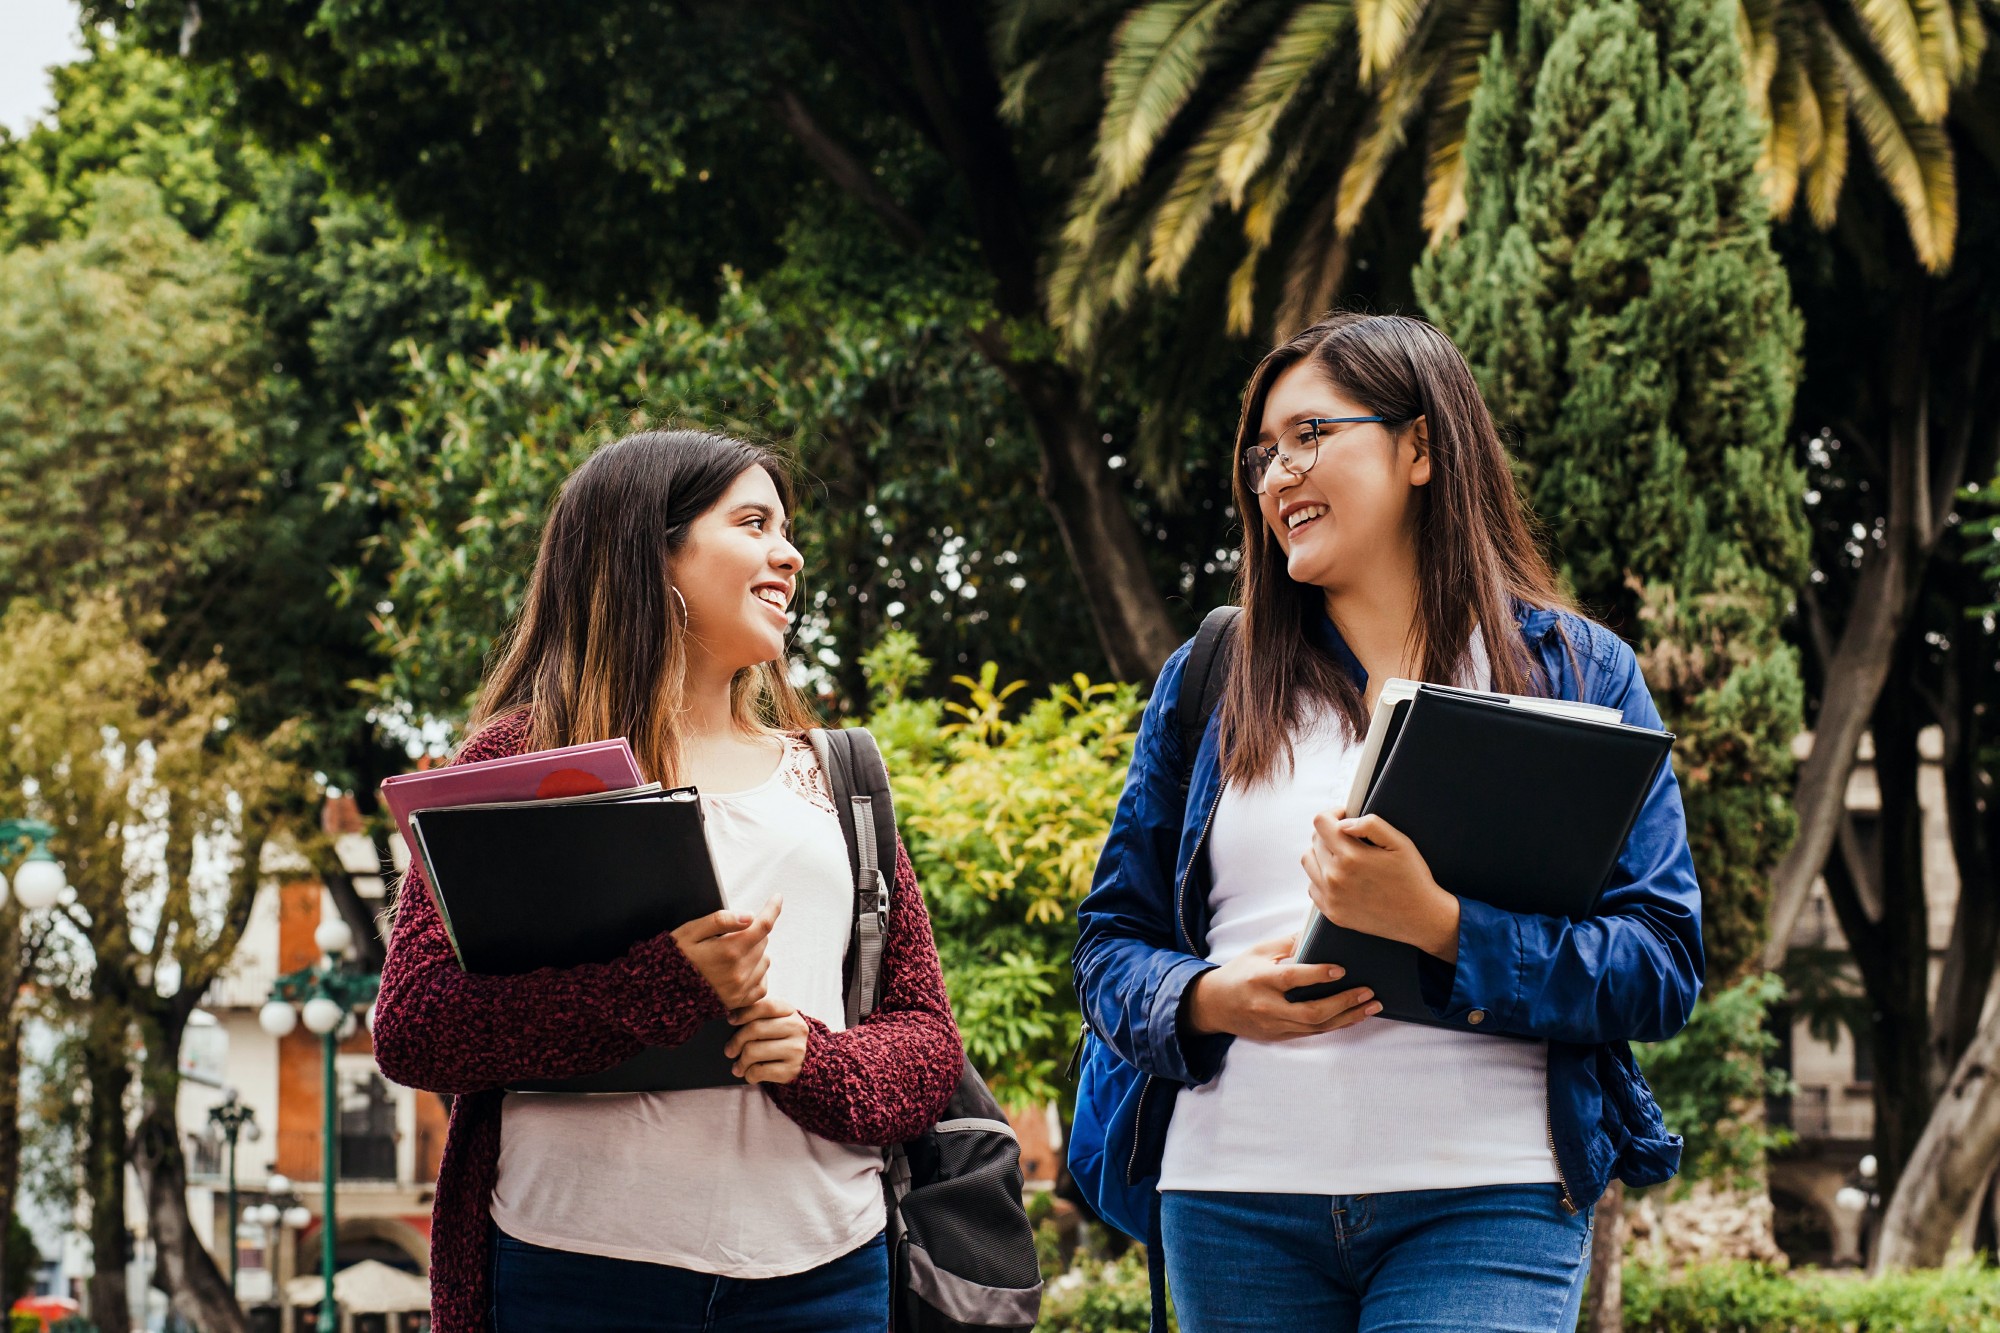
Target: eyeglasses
point(1296, 450)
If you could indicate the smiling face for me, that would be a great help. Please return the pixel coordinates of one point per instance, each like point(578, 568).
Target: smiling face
point(737, 572)
point(1353, 513)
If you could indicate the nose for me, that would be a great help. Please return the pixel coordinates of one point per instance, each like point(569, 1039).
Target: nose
point(1278, 478)
point(786, 557)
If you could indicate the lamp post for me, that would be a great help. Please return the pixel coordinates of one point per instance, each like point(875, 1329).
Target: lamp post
point(39, 881)
point(281, 1208)
point(232, 1118)
point(326, 994)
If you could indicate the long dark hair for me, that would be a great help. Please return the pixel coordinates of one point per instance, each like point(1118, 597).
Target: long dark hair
point(599, 649)
point(1476, 553)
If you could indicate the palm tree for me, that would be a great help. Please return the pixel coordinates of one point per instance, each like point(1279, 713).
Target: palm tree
point(1286, 114)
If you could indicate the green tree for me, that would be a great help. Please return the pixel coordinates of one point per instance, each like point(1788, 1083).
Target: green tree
point(311, 289)
point(1334, 134)
point(125, 366)
point(163, 807)
point(908, 516)
point(624, 154)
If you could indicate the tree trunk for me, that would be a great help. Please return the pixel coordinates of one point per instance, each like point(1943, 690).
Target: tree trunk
point(104, 1147)
point(1952, 1162)
point(1901, 989)
point(1974, 822)
point(188, 1273)
point(1858, 666)
point(1606, 1310)
point(946, 57)
point(1083, 494)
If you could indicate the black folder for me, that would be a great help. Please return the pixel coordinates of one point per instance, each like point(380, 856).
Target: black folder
point(562, 883)
point(1513, 807)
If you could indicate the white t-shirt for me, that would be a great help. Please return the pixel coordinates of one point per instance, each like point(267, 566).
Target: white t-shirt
point(1378, 1107)
point(717, 1180)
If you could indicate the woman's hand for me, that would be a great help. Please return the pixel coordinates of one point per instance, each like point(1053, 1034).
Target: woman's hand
point(770, 1042)
point(727, 948)
point(1246, 996)
point(1370, 878)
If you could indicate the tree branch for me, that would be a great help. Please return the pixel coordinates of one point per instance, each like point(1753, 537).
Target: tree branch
point(844, 171)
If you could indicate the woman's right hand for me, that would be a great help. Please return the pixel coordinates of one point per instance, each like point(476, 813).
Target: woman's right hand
point(1245, 997)
point(727, 948)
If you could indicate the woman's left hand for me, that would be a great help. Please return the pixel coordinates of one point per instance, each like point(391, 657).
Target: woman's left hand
point(770, 1042)
point(1368, 877)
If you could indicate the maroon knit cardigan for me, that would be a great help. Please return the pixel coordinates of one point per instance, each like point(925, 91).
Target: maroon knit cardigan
point(438, 1028)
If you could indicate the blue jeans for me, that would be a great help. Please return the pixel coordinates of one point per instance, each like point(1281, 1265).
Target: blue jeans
point(537, 1289)
point(1478, 1260)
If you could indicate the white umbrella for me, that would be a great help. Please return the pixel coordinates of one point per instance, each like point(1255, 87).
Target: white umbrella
point(369, 1287)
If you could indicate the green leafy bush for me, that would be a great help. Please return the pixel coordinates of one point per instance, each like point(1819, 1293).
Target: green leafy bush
point(1098, 1297)
point(1712, 1075)
point(1004, 813)
point(1751, 1298)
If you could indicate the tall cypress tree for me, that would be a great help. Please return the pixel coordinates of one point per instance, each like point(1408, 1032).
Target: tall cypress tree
point(1615, 292)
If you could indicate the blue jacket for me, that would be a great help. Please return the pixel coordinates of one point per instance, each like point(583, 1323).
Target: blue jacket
point(1629, 973)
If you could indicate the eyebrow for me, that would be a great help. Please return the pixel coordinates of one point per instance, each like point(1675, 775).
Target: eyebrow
point(765, 512)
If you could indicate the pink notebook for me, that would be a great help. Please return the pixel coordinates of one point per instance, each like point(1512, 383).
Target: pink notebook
point(574, 770)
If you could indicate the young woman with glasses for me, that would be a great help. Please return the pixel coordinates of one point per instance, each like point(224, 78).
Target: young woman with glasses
point(657, 612)
point(1311, 1165)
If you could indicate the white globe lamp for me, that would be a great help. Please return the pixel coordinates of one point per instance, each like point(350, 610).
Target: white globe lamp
point(298, 1217)
point(277, 1184)
point(323, 1015)
point(39, 881)
point(333, 937)
point(277, 1018)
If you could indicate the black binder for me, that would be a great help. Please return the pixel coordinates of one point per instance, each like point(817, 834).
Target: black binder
point(562, 883)
point(1513, 807)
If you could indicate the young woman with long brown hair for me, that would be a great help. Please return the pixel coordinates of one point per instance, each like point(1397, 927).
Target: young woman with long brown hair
point(657, 612)
point(1308, 1165)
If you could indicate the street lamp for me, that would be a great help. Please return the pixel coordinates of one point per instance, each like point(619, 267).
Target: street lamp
point(326, 995)
point(39, 881)
point(232, 1118)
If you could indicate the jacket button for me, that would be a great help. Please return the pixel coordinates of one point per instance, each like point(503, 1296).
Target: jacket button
point(1476, 1017)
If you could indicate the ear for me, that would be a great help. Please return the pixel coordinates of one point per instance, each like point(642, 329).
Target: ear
point(1420, 467)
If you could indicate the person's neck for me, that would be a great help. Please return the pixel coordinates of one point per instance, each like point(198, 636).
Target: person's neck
point(1376, 619)
point(707, 716)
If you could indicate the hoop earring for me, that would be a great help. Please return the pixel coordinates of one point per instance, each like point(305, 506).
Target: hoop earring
point(682, 600)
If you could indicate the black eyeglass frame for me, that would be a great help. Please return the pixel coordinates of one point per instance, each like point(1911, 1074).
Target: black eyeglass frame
point(1257, 459)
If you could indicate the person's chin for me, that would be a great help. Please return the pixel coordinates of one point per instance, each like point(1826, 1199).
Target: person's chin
point(1309, 566)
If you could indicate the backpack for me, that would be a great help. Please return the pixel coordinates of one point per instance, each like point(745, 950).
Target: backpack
point(1110, 1094)
point(961, 1250)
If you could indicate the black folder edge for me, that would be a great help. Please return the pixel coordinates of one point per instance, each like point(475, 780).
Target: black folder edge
point(1473, 699)
point(649, 792)
point(566, 1087)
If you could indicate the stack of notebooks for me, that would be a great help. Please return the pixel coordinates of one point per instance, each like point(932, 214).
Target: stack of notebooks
point(1520, 802)
point(561, 858)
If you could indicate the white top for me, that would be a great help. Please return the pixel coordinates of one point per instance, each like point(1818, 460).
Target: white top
point(1374, 1108)
point(717, 1180)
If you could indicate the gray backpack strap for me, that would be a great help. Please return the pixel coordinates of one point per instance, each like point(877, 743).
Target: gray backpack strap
point(860, 782)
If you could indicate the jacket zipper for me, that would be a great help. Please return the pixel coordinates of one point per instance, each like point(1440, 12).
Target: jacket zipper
point(1180, 932)
point(1549, 1119)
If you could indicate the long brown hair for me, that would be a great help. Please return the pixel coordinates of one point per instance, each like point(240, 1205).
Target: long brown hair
point(1476, 553)
point(599, 649)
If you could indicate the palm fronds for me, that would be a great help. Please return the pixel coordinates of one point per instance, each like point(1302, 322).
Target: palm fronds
point(1218, 109)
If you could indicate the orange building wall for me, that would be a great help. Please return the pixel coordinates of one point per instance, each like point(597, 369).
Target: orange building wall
point(301, 1062)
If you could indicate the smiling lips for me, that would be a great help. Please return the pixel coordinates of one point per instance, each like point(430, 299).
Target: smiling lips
point(773, 595)
point(1303, 515)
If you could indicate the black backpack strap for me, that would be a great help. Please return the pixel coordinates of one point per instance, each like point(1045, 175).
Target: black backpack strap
point(1201, 684)
point(860, 783)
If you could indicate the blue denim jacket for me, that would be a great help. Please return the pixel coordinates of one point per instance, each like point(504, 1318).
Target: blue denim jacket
point(1629, 973)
